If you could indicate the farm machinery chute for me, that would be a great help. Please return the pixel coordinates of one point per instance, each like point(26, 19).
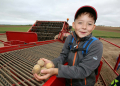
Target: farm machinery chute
point(23, 49)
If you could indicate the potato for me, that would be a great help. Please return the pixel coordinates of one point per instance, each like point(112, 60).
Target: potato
point(40, 62)
point(39, 74)
point(49, 65)
point(43, 68)
point(36, 69)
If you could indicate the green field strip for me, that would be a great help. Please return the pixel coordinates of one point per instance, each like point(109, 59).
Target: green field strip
point(96, 33)
point(21, 29)
point(106, 34)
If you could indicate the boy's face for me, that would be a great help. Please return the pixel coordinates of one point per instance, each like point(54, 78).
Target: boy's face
point(83, 25)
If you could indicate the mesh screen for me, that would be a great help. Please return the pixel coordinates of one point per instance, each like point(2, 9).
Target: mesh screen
point(16, 66)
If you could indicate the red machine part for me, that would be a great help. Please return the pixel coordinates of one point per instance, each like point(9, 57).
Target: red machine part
point(22, 46)
point(118, 61)
point(22, 36)
point(13, 42)
point(54, 81)
point(99, 69)
point(2, 33)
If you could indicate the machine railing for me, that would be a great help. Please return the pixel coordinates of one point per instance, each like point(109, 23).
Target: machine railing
point(110, 71)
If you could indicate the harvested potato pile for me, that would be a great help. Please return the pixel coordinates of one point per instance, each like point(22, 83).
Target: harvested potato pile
point(41, 66)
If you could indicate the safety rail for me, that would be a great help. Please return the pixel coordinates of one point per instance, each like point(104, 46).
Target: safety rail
point(116, 65)
point(107, 64)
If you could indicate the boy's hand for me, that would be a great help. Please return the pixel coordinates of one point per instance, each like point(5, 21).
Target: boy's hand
point(48, 73)
point(47, 61)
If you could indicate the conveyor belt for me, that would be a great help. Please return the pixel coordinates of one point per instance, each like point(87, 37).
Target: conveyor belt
point(16, 66)
point(47, 30)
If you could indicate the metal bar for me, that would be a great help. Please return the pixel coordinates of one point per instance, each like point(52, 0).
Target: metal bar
point(13, 74)
point(23, 59)
point(6, 74)
point(2, 41)
point(48, 50)
point(1, 83)
point(4, 81)
point(21, 74)
point(110, 43)
point(118, 61)
point(21, 67)
point(45, 53)
point(103, 80)
point(21, 54)
point(110, 66)
point(19, 63)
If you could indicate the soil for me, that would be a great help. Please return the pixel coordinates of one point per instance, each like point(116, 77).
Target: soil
point(3, 38)
point(108, 29)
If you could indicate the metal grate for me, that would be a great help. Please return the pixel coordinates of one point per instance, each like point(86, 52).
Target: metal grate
point(16, 66)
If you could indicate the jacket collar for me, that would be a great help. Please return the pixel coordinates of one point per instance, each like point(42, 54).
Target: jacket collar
point(82, 39)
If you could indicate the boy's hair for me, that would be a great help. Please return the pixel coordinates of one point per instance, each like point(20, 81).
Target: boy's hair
point(86, 9)
point(84, 13)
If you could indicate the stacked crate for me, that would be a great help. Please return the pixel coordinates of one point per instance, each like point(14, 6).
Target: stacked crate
point(47, 30)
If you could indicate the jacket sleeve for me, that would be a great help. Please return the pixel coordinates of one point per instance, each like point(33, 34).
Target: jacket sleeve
point(86, 66)
point(64, 54)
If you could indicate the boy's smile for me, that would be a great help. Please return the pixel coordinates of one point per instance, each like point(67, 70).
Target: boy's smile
point(83, 25)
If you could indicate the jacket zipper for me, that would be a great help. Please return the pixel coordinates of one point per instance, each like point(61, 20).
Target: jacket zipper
point(74, 59)
point(85, 81)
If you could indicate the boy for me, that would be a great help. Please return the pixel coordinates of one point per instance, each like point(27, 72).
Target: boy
point(80, 70)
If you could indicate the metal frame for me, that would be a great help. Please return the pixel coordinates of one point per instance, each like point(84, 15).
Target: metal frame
point(2, 33)
point(116, 65)
point(22, 36)
point(22, 46)
point(114, 69)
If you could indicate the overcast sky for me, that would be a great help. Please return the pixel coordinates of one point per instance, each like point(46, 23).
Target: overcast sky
point(28, 11)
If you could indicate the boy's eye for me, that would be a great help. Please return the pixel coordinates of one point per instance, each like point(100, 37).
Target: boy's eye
point(89, 24)
point(79, 22)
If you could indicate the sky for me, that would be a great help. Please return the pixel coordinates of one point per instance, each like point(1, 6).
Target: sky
point(22, 12)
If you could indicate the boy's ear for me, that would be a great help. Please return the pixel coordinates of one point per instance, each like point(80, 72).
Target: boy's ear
point(94, 26)
point(73, 25)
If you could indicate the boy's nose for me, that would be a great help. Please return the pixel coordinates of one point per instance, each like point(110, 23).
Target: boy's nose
point(84, 26)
